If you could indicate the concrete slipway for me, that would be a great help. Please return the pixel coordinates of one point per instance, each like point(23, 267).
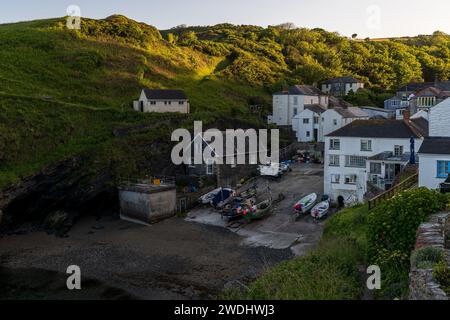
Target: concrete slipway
point(279, 230)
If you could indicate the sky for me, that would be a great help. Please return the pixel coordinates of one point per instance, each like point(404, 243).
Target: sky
point(367, 18)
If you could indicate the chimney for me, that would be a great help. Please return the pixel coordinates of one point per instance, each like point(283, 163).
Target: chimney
point(406, 115)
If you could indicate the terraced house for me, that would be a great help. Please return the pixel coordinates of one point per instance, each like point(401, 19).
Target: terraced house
point(291, 102)
point(368, 153)
point(434, 154)
point(341, 86)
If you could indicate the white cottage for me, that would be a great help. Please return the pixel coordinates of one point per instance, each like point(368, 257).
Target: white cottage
point(361, 150)
point(289, 103)
point(156, 100)
point(434, 154)
point(308, 124)
point(336, 118)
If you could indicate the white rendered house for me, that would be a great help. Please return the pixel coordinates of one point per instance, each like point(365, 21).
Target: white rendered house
point(373, 151)
point(434, 166)
point(162, 101)
point(287, 104)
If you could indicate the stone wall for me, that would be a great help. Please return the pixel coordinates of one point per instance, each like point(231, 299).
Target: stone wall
point(430, 234)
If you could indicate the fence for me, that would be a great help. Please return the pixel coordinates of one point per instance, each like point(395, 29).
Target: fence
point(405, 185)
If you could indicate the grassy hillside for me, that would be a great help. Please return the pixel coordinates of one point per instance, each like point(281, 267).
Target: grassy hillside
point(63, 92)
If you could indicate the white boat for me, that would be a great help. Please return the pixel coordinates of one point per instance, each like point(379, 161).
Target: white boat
point(320, 210)
point(306, 204)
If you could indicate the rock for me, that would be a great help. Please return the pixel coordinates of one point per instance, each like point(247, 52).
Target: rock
point(58, 222)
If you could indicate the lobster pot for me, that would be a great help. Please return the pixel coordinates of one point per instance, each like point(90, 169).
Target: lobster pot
point(147, 203)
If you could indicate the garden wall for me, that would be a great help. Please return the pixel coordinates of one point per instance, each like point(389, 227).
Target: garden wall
point(430, 234)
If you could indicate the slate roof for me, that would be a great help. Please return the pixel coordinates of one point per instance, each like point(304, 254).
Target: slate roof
point(304, 90)
point(347, 79)
point(416, 86)
point(436, 145)
point(159, 94)
point(375, 128)
point(352, 112)
point(421, 124)
point(315, 108)
point(389, 156)
point(432, 92)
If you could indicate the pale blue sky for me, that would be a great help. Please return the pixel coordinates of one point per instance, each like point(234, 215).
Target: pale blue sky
point(392, 18)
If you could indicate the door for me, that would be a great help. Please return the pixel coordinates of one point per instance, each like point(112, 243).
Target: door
point(316, 135)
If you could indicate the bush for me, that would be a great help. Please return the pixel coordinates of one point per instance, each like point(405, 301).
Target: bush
point(392, 231)
point(426, 258)
point(441, 273)
point(328, 273)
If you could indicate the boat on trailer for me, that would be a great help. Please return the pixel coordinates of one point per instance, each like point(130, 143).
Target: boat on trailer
point(305, 204)
point(321, 210)
point(258, 211)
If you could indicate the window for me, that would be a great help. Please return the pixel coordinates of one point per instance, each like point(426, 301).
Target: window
point(209, 168)
point(316, 120)
point(165, 103)
point(366, 145)
point(308, 134)
point(335, 178)
point(350, 179)
point(398, 151)
point(335, 144)
point(335, 122)
point(355, 161)
point(153, 102)
point(295, 101)
point(305, 121)
point(443, 169)
point(334, 160)
point(295, 111)
point(375, 168)
point(170, 102)
point(181, 103)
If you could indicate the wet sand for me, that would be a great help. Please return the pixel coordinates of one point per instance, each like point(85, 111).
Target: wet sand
point(173, 259)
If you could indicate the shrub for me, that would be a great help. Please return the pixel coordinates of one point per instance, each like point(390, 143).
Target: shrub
point(392, 234)
point(441, 273)
point(426, 258)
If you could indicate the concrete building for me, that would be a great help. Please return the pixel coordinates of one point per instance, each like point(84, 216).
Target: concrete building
point(147, 202)
point(363, 149)
point(434, 154)
point(341, 86)
point(289, 103)
point(162, 101)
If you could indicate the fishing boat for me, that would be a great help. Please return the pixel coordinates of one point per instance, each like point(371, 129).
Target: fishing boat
point(258, 211)
point(215, 196)
point(305, 204)
point(320, 210)
point(235, 210)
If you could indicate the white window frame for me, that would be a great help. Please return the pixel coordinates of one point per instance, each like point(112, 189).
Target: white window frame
point(351, 179)
point(399, 148)
point(335, 178)
point(334, 160)
point(366, 145)
point(355, 162)
point(335, 144)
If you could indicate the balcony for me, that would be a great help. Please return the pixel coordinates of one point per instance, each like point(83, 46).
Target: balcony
point(346, 187)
